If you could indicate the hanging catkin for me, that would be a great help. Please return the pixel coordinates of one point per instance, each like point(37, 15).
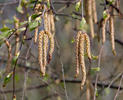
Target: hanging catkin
point(111, 25)
point(104, 28)
point(77, 52)
point(87, 41)
point(40, 51)
point(89, 17)
point(82, 62)
point(94, 11)
point(17, 38)
point(35, 34)
point(45, 43)
point(51, 48)
point(52, 23)
point(9, 55)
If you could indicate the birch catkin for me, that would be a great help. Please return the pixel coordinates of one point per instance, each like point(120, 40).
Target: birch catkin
point(45, 43)
point(87, 41)
point(82, 62)
point(89, 18)
point(40, 39)
point(9, 55)
point(111, 25)
point(51, 49)
point(35, 34)
point(104, 28)
point(94, 11)
point(77, 52)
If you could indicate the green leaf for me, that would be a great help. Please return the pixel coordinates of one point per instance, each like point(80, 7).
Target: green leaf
point(7, 79)
point(94, 70)
point(21, 29)
point(77, 6)
point(15, 58)
point(33, 25)
point(83, 24)
point(45, 78)
point(48, 4)
point(94, 57)
point(34, 16)
point(23, 23)
point(72, 41)
point(20, 9)
point(4, 29)
point(105, 14)
point(5, 34)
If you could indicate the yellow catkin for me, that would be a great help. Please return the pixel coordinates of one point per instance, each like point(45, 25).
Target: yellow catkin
point(94, 11)
point(51, 48)
point(87, 41)
point(111, 25)
point(35, 34)
point(40, 52)
point(9, 55)
point(45, 43)
point(77, 52)
point(82, 62)
point(89, 17)
point(104, 28)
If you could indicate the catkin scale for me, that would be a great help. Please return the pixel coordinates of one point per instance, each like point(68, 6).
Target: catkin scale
point(40, 51)
point(111, 25)
point(82, 62)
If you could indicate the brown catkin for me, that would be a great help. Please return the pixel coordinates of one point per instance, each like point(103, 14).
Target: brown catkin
point(94, 11)
point(111, 25)
point(9, 55)
point(104, 28)
point(45, 43)
point(77, 52)
point(82, 62)
point(51, 48)
point(40, 52)
point(89, 18)
point(87, 41)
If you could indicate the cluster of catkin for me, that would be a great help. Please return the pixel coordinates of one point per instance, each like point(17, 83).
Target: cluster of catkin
point(81, 40)
point(109, 17)
point(45, 38)
point(91, 14)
